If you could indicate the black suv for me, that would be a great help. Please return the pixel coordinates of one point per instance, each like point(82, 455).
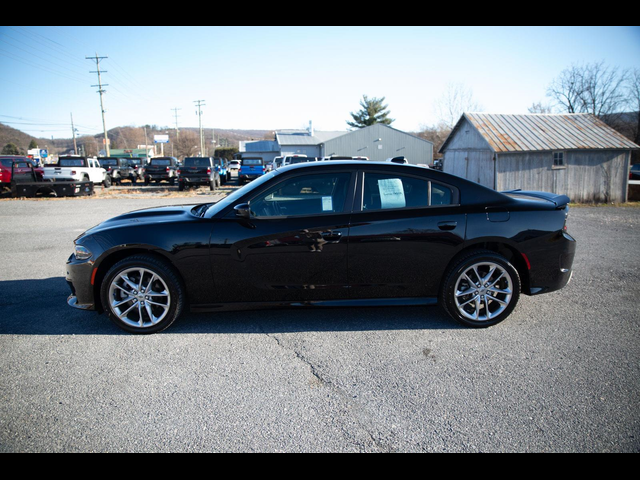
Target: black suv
point(198, 171)
point(120, 169)
point(161, 168)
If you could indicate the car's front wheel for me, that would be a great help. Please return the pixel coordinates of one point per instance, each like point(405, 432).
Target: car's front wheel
point(142, 294)
point(480, 289)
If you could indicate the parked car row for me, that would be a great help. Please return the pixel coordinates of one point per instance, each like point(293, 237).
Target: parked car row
point(212, 171)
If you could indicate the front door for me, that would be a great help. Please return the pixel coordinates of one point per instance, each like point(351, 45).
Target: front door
point(292, 248)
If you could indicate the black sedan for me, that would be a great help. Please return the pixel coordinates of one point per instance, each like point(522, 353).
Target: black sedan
point(328, 234)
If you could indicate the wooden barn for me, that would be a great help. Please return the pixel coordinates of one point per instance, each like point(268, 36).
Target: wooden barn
point(571, 154)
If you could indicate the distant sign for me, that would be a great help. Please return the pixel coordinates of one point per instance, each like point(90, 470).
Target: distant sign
point(38, 153)
point(161, 139)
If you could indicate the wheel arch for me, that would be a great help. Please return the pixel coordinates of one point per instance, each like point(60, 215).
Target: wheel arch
point(114, 257)
point(509, 252)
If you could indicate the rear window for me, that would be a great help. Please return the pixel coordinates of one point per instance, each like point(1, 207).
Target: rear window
point(6, 162)
point(197, 162)
point(251, 161)
point(110, 163)
point(161, 162)
point(17, 163)
point(71, 162)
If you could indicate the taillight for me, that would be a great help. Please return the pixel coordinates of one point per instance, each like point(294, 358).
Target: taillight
point(73, 172)
point(168, 169)
point(178, 172)
point(208, 170)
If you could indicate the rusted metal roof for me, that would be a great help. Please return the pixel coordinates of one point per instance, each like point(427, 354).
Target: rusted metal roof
point(533, 132)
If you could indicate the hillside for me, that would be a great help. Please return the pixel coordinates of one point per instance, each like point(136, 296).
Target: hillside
point(126, 137)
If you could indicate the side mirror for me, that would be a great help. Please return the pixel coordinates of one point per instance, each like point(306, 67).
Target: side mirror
point(242, 210)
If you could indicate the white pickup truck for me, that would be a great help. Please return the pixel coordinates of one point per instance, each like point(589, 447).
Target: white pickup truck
point(81, 169)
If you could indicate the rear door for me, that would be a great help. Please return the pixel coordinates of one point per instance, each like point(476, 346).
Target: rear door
point(404, 231)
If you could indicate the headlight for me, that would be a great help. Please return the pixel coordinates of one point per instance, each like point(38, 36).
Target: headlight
point(82, 253)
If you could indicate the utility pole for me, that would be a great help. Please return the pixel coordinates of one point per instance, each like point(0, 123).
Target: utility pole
point(175, 113)
point(73, 130)
point(199, 113)
point(101, 91)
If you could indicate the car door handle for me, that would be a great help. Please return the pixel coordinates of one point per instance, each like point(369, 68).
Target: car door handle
point(447, 225)
point(331, 236)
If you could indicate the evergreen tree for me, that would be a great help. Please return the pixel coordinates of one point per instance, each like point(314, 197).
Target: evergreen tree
point(11, 149)
point(373, 111)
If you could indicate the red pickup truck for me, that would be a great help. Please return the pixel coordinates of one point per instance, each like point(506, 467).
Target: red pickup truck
point(23, 165)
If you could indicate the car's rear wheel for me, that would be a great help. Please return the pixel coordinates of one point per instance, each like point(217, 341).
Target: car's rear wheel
point(480, 289)
point(142, 294)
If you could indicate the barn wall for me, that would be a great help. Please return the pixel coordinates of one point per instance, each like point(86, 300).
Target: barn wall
point(589, 175)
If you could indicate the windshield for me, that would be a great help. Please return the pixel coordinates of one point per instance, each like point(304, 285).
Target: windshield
point(231, 199)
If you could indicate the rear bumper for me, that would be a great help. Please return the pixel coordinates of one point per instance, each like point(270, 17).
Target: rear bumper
point(195, 180)
point(552, 268)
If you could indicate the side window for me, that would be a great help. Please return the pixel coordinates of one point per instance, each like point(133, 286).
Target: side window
point(386, 191)
point(304, 195)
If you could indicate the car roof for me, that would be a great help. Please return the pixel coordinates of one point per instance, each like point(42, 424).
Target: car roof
point(472, 191)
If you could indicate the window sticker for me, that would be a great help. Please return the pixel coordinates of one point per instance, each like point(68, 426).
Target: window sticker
point(327, 204)
point(391, 193)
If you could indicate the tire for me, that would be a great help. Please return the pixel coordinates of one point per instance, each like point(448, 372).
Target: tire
point(212, 185)
point(131, 308)
point(480, 289)
point(106, 182)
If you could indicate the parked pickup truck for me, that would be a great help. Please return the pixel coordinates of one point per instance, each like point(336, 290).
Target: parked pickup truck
point(161, 168)
point(25, 182)
point(198, 171)
point(251, 168)
point(20, 164)
point(120, 169)
point(78, 169)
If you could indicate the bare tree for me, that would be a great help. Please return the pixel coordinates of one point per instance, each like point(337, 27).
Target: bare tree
point(540, 108)
point(592, 88)
point(456, 100)
point(436, 134)
point(633, 89)
point(187, 144)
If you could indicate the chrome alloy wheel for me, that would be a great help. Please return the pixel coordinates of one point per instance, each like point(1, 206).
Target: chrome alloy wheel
point(483, 291)
point(139, 297)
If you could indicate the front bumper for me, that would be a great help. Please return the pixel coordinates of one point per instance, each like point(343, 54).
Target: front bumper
point(79, 279)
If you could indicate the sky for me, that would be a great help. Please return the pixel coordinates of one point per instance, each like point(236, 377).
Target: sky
point(272, 78)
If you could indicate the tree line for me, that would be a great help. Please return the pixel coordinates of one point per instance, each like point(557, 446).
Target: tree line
point(609, 93)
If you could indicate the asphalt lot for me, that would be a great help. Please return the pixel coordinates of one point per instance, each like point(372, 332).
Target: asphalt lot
point(562, 374)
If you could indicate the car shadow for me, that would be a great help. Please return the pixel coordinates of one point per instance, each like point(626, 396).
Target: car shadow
point(39, 307)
